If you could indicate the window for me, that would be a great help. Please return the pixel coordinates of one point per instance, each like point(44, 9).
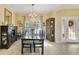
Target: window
point(33, 28)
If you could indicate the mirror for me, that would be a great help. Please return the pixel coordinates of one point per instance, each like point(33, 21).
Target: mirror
point(7, 17)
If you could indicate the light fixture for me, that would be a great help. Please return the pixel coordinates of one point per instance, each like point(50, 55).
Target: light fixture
point(32, 15)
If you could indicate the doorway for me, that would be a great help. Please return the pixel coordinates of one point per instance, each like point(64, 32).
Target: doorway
point(70, 29)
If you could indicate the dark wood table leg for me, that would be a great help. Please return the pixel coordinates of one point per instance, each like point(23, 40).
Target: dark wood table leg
point(34, 46)
point(43, 48)
point(22, 47)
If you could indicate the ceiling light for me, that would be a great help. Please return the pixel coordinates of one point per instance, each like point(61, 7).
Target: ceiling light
point(33, 15)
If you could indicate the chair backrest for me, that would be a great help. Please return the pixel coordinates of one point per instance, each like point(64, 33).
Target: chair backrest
point(39, 41)
point(25, 41)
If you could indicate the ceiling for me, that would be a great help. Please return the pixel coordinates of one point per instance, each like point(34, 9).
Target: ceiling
point(37, 8)
point(40, 8)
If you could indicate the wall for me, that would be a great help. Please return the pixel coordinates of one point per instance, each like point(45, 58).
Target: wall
point(62, 11)
point(2, 6)
point(19, 21)
point(59, 14)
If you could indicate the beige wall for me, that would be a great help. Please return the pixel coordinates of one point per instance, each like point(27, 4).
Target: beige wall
point(19, 20)
point(58, 14)
point(2, 6)
point(61, 11)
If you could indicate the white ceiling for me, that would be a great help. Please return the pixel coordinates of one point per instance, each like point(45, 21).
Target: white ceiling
point(38, 8)
point(71, 6)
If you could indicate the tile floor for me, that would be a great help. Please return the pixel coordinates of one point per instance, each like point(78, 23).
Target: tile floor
point(49, 49)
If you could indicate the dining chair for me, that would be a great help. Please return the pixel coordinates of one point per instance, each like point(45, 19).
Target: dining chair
point(39, 43)
point(26, 44)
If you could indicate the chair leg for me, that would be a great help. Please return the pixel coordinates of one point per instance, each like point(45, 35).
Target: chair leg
point(34, 49)
point(30, 48)
point(22, 50)
point(42, 50)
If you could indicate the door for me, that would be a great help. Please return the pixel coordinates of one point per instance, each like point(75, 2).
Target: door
point(70, 28)
point(64, 29)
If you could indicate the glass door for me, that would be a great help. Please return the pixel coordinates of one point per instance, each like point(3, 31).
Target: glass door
point(70, 28)
point(64, 31)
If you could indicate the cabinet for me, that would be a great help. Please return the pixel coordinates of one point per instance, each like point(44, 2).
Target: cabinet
point(50, 29)
point(7, 36)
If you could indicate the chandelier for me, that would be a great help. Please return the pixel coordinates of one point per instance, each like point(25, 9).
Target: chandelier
point(32, 15)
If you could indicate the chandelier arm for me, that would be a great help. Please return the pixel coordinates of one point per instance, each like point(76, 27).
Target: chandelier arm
point(32, 15)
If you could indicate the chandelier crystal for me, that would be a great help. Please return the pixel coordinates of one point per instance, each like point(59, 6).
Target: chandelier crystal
point(32, 15)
